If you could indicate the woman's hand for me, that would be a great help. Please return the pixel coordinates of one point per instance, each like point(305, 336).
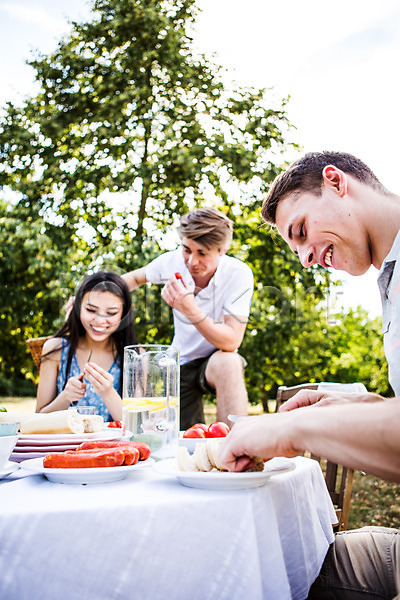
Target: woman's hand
point(101, 380)
point(75, 389)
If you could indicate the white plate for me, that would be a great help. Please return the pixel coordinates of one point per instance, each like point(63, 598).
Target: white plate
point(190, 443)
point(79, 476)
point(36, 449)
point(20, 456)
point(45, 447)
point(222, 480)
point(9, 467)
point(38, 453)
point(42, 439)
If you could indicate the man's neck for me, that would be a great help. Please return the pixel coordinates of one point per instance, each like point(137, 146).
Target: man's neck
point(385, 227)
point(202, 282)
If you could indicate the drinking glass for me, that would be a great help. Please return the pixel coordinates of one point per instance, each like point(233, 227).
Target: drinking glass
point(150, 396)
point(85, 410)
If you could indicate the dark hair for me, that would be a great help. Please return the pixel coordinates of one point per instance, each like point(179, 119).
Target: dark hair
point(72, 329)
point(208, 227)
point(305, 175)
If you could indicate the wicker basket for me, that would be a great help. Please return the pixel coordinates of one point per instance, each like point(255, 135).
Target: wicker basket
point(35, 345)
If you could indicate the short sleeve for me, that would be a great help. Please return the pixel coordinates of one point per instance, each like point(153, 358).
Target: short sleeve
point(239, 291)
point(164, 266)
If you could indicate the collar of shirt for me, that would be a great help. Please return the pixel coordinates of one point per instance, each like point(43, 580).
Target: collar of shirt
point(387, 268)
point(208, 291)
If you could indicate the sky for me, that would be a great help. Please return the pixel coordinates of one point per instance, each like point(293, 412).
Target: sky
point(338, 62)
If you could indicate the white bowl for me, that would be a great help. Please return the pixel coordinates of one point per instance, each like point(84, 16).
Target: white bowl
point(7, 444)
point(190, 443)
point(9, 428)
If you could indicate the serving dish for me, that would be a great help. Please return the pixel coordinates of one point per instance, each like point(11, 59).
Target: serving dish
point(223, 480)
point(7, 445)
point(83, 476)
point(9, 428)
point(8, 468)
point(190, 443)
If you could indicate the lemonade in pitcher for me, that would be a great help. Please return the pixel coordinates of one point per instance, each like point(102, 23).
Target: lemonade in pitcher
point(151, 397)
point(153, 421)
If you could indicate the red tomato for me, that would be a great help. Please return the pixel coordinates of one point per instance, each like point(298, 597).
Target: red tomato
point(218, 429)
point(202, 426)
point(178, 276)
point(194, 432)
point(115, 424)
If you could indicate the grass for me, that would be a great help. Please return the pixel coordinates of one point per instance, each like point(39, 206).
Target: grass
point(18, 404)
point(374, 501)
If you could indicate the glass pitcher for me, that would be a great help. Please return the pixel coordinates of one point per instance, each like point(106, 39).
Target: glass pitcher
point(150, 396)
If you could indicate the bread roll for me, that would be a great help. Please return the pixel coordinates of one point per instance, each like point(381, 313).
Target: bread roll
point(200, 456)
point(93, 423)
point(205, 458)
point(258, 464)
point(185, 460)
point(61, 421)
point(213, 446)
point(16, 417)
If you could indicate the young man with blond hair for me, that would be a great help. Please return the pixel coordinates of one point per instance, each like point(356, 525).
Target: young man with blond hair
point(333, 211)
point(210, 294)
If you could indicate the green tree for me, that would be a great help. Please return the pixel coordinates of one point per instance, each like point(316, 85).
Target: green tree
point(356, 351)
point(130, 129)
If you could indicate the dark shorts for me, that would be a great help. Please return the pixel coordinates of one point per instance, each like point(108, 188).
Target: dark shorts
point(193, 386)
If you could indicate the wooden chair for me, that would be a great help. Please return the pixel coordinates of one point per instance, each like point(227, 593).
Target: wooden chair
point(338, 479)
point(284, 392)
point(35, 346)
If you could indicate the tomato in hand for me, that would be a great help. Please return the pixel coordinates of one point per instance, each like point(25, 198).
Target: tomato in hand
point(218, 429)
point(178, 276)
point(194, 432)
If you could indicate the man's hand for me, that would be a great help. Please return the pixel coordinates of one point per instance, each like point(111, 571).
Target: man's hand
point(320, 398)
point(265, 436)
point(179, 295)
point(68, 306)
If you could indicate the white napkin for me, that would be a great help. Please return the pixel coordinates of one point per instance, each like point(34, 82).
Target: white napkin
point(342, 387)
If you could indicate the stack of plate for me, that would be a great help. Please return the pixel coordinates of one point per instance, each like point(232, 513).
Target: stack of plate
point(38, 445)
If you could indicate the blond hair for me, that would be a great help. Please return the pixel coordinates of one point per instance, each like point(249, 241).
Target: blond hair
point(208, 227)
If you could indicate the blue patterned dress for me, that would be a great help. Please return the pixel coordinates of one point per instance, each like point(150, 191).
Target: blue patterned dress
point(90, 398)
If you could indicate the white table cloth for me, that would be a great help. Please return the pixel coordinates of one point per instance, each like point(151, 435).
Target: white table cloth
point(150, 538)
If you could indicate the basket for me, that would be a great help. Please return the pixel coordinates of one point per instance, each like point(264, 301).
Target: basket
point(35, 345)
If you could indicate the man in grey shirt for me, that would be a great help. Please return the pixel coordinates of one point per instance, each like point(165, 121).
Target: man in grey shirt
point(333, 211)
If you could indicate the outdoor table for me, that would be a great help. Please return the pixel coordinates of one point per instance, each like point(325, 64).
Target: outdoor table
point(151, 538)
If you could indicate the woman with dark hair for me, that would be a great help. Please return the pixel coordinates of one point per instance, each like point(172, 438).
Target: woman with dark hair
point(82, 364)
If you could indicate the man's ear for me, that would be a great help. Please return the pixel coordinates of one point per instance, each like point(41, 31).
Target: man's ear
point(335, 178)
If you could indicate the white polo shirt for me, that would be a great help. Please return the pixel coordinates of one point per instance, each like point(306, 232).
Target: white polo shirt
point(229, 292)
